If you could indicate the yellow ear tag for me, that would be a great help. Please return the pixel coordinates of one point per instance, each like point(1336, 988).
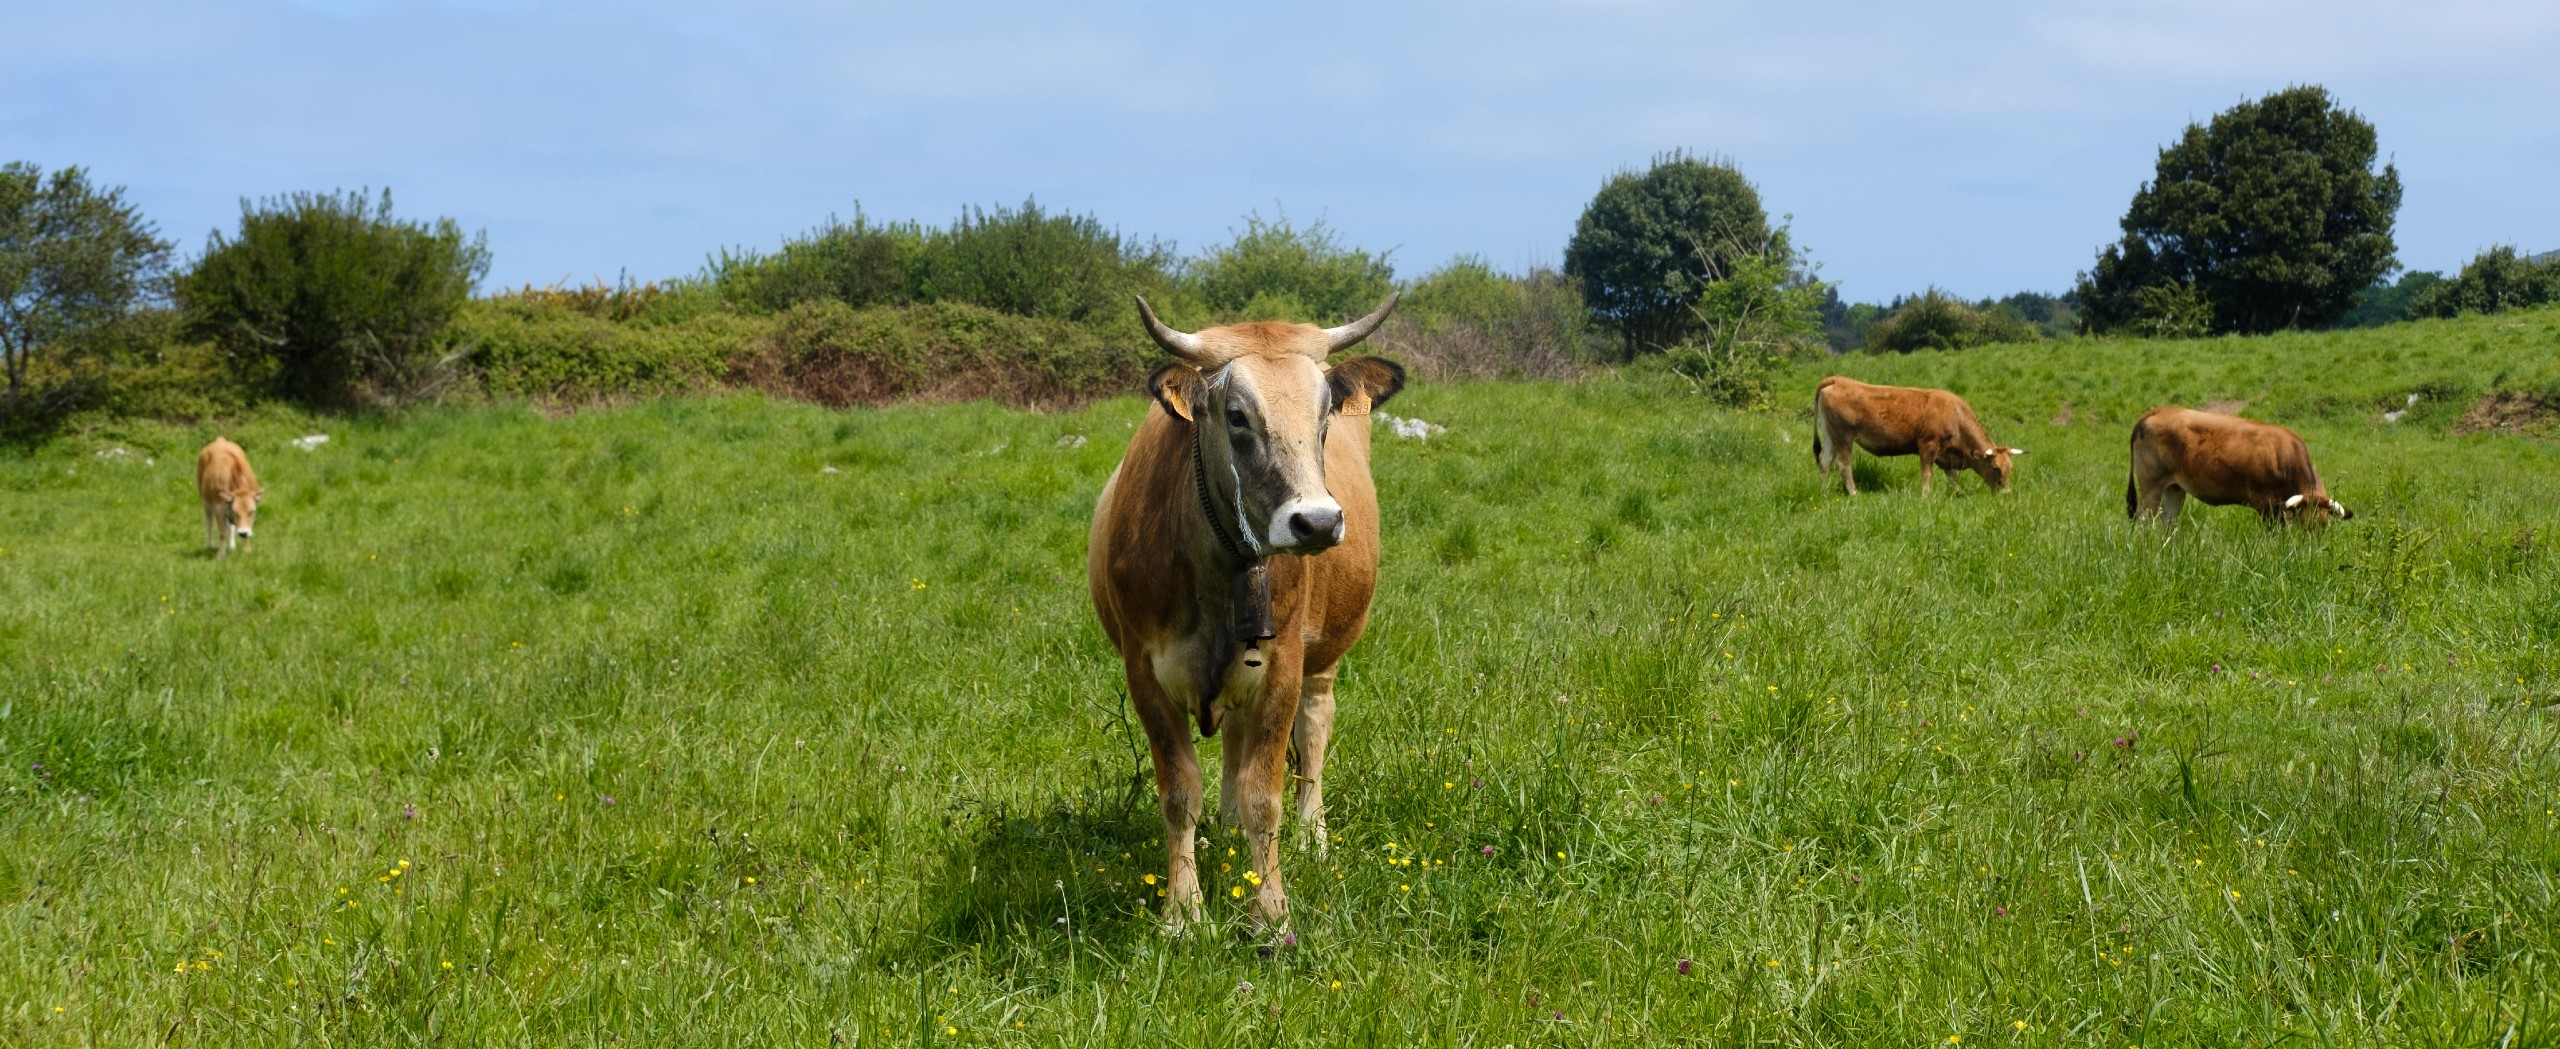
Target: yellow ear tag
point(1356, 404)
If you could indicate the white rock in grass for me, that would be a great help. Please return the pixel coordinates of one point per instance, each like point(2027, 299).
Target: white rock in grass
point(1071, 442)
point(1412, 428)
point(308, 442)
point(2394, 416)
point(829, 470)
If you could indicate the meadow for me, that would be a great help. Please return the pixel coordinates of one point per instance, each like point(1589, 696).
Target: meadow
point(727, 720)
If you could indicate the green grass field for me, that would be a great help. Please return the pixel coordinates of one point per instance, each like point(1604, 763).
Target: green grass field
point(717, 721)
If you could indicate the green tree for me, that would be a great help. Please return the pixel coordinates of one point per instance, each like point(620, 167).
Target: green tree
point(2495, 281)
point(75, 262)
point(2387, 302)
point(331, 300)
point(1275, 269)
point(2271, 217)
point(1649, 244)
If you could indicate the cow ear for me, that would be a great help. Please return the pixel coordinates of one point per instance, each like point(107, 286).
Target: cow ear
point(1363, 383)
point(1177, 387)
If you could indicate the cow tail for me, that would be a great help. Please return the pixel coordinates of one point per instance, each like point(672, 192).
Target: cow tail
point(2130, 500)
point(1818, 428)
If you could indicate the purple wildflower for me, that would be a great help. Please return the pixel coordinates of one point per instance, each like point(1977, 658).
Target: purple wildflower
point(608, 799)
point(1684, 966)
point(1488, 850)
point(409, 812)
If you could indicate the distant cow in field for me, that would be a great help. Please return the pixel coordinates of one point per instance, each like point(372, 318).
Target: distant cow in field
point(2221, 460)
point(1231, 562)
point(1935, 425)
point(230, 490)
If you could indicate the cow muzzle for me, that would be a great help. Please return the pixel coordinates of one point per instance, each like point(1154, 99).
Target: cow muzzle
point(1306, 526)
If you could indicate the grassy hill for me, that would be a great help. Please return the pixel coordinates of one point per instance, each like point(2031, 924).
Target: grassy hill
point(711, 721)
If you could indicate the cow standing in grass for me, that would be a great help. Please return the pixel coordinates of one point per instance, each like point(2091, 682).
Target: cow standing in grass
point(1232, 559)
point(1935, 425)
point(2222, 460)
point(230, 490)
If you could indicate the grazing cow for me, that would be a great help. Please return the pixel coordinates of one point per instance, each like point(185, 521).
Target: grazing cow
point(2221, 460)
point(230, 492)
point(1232, 558)
point(1935, 425)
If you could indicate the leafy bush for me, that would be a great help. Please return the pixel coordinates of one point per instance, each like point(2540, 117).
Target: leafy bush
point(1022, 261)
point(2271, 216)
point(861, 264)
point(1031, 264)
point(2495, 281)
point(333, 302)
point(1468, 321)
point(1647, 246)
point(838, 356)
point(550, 347)
point(75, 264)
point(1935, 320)
point(1275, 270)
point(1758, 315)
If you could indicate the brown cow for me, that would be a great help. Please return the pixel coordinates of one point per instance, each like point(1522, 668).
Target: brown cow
point(2221, 460)
point(1935, 425)
point(1232, 558)
point(230, 490)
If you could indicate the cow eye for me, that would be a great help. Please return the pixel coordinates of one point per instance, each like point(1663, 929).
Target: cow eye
point(1235, 418)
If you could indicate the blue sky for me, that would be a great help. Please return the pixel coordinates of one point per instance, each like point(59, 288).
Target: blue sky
point(1984, 148)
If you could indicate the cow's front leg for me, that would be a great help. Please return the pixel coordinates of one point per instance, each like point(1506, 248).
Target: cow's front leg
point(1314, 733)
point(1177, 790)
point(1262, 778)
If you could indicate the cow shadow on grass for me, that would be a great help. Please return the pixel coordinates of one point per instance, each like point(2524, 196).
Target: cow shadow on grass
point(1069, 864)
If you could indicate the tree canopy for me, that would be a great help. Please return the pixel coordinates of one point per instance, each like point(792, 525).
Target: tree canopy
point(1649, 244)
point(2269, 217)
point(74, 260)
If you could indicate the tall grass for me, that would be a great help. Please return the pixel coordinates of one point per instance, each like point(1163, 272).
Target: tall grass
point(729, 720)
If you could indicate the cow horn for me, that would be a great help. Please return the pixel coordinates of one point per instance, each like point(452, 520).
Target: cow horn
point(2017, 451)
point(2336, 508)
point(1344, 337)
point(1181, 344)
point(2293, 502)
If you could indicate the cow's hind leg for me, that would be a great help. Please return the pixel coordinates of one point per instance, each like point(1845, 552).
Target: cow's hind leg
point(2173, 500)
point(1231, 757)
point(1314, 732)
point(1844, 454)
point(1177, 791)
